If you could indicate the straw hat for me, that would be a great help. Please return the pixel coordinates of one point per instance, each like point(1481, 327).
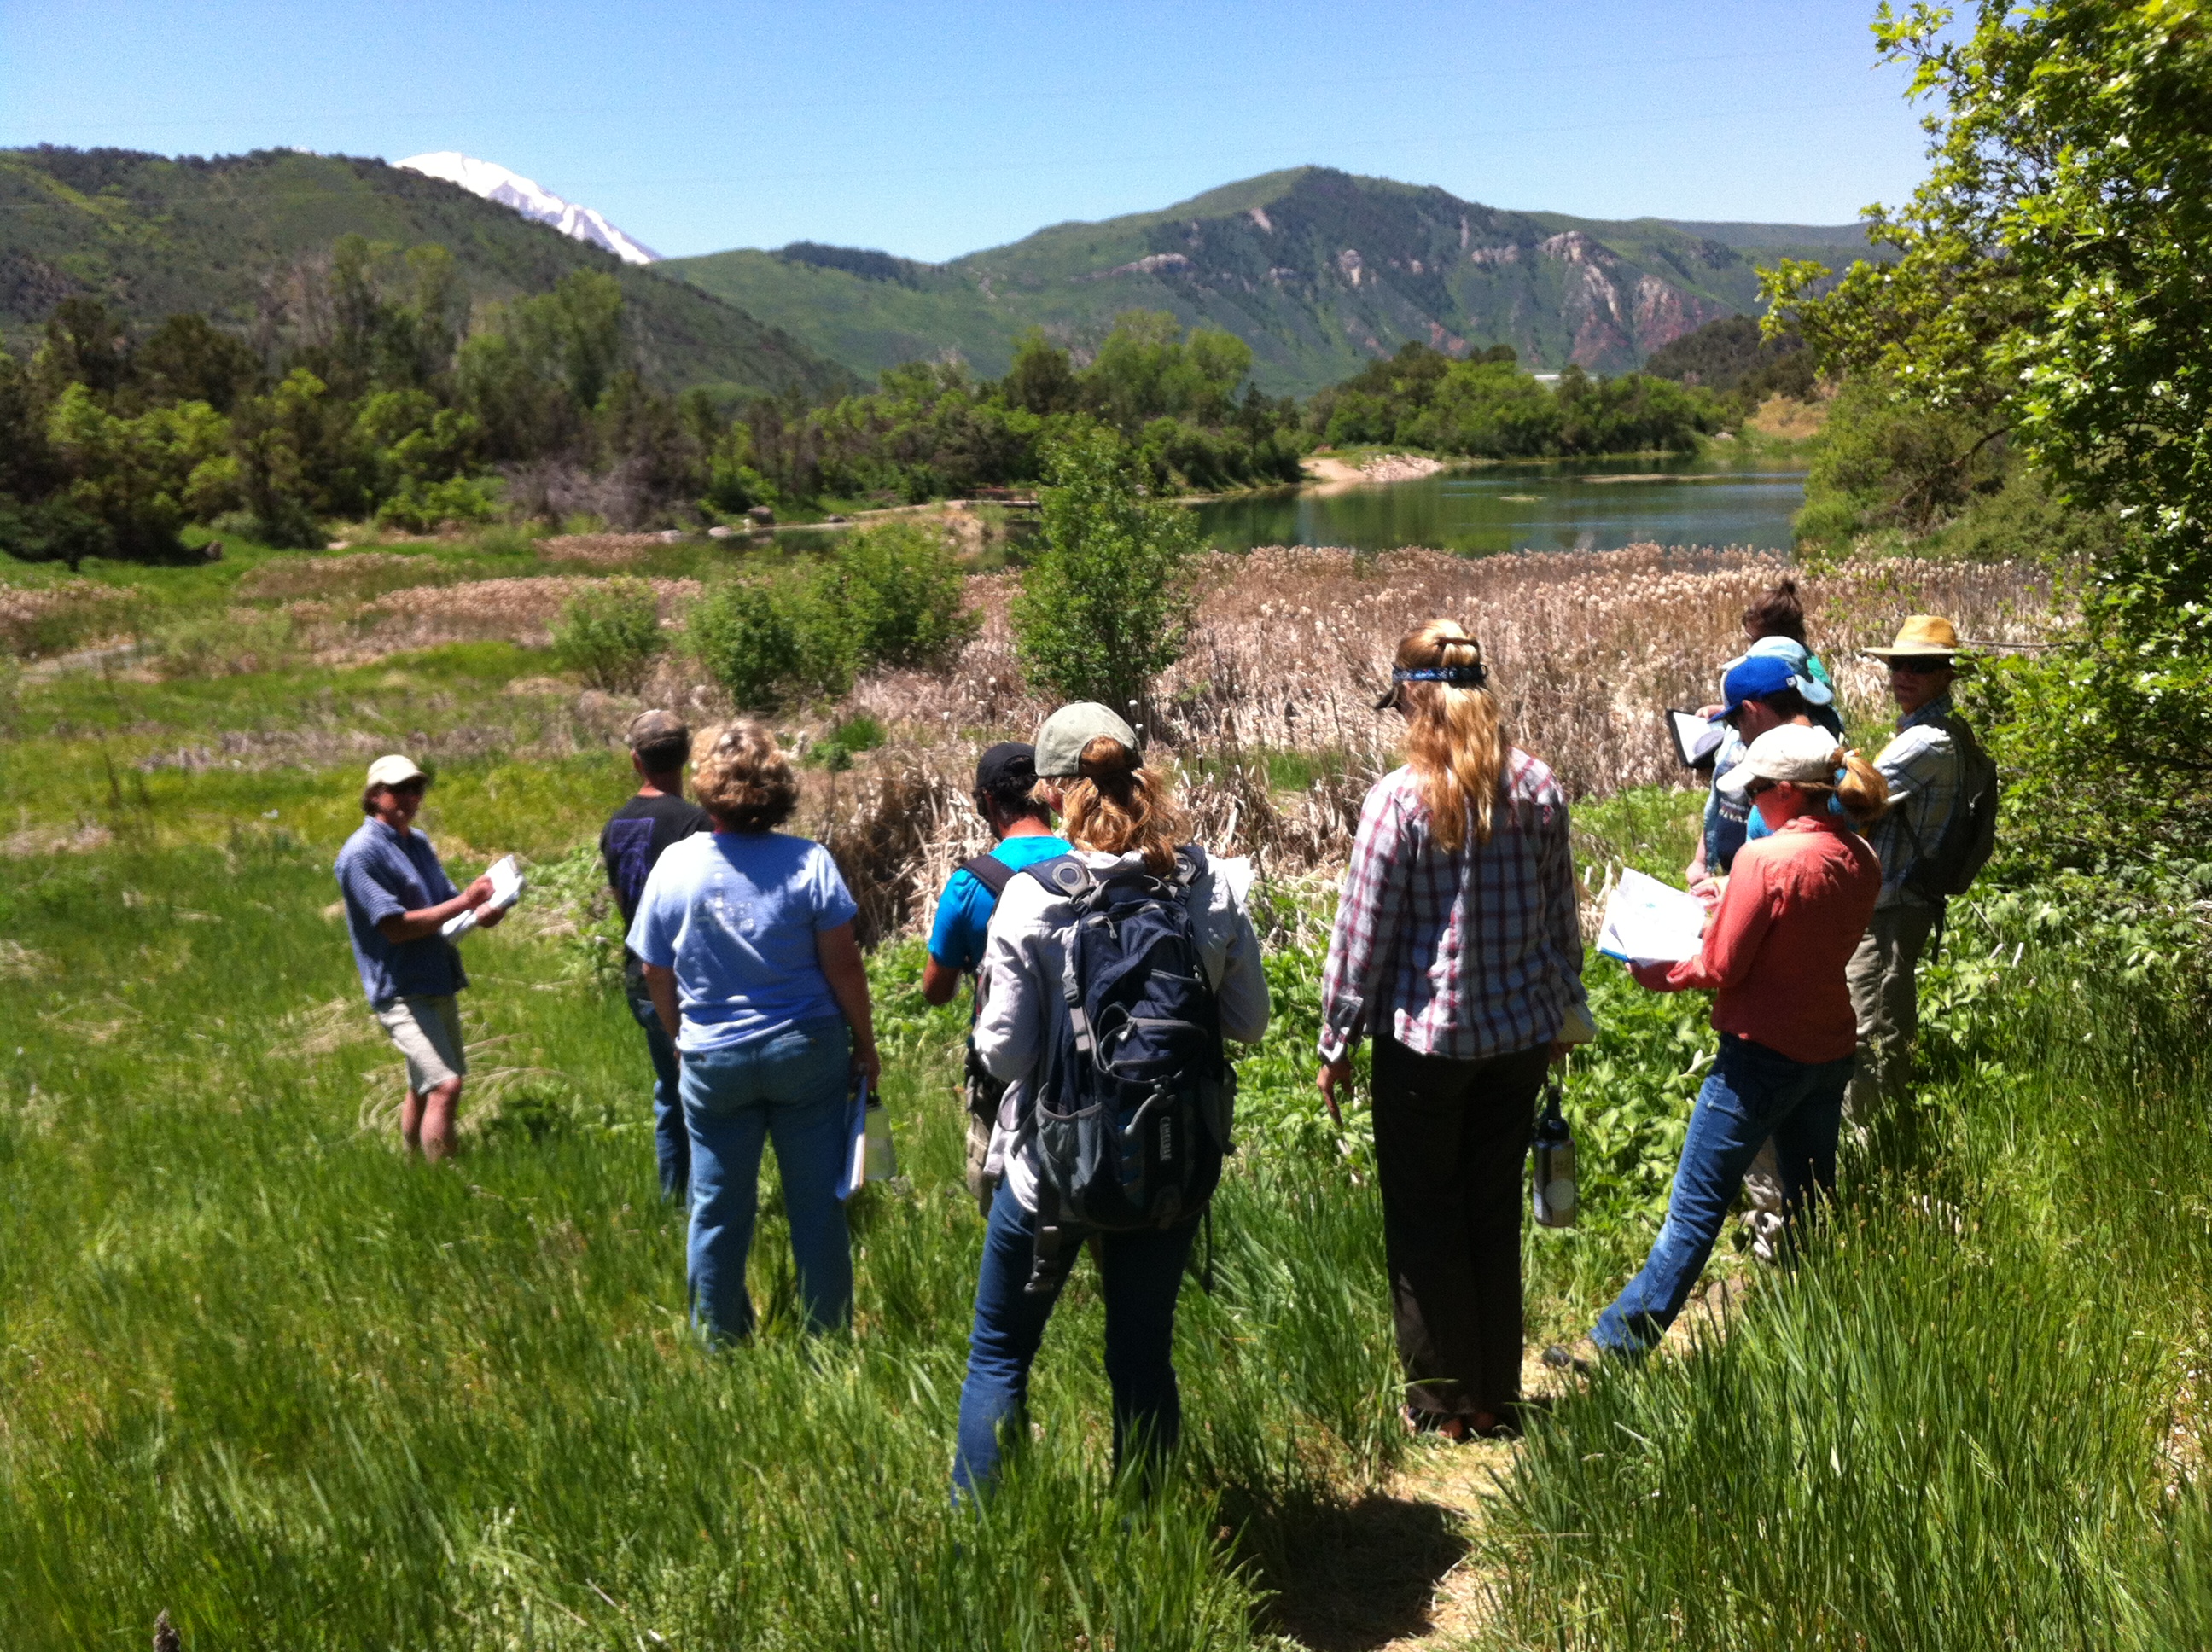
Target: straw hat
point(1925, 636)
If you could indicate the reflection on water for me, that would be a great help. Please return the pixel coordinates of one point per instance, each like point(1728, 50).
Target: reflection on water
point(1589, 506)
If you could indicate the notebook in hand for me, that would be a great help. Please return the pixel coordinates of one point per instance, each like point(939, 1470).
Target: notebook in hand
point(1695, 740)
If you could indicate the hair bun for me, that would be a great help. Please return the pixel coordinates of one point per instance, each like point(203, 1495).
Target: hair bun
point(1105, 758)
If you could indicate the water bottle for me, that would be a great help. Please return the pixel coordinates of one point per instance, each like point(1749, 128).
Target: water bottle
point(1551, 1179)
point(879, 1158)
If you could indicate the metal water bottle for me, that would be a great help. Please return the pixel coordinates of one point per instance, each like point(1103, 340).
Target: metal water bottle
point(1551, 1162)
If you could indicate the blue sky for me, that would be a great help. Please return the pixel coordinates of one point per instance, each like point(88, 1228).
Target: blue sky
point(932, 130)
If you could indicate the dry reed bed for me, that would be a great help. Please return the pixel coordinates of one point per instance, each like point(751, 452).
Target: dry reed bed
point(600, 550)
point(33, 619)
point(359, 575)
point(1291, 647)
point(519, 610)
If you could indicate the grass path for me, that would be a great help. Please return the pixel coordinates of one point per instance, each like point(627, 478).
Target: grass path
point(1409, 1568)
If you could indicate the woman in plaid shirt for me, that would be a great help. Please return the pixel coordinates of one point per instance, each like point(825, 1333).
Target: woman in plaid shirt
point(1457, 949)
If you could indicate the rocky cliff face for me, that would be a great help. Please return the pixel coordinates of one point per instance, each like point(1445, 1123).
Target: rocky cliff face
point(1318, 270)
point(1335, 255)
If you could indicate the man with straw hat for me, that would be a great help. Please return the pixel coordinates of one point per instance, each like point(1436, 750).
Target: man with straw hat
point(1926, 764)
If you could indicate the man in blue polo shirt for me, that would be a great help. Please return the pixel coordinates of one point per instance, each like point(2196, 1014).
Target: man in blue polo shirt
point(398, 898)
point(1005, 777)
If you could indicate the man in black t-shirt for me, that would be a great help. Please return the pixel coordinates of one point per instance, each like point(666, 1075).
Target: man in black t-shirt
point(642, 829)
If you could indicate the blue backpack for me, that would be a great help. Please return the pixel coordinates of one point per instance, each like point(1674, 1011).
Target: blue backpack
point(1135, 1097)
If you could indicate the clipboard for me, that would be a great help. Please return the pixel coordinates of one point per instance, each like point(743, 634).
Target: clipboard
point(1695, 740)
point(1647, 921)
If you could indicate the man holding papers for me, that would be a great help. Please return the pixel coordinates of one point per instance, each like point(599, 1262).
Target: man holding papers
point(1774, 954)
point(397, 902)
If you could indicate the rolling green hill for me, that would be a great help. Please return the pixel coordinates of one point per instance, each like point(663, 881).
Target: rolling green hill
point(150, 236)
point(1320, 271)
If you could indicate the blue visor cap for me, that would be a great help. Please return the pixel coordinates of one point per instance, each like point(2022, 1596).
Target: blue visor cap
point(1760, 675)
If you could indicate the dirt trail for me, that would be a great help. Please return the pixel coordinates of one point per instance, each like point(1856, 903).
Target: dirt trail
point(1402, 1570)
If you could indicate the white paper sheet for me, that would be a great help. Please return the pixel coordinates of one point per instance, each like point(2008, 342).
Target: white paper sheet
point(506, 886)
point(1647, 921)
point(1236, 871)
point(1695, 740)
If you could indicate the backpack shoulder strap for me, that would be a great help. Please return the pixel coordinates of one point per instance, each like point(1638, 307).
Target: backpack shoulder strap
point(992, 873)
point(1064, 875)
point(1190, 863)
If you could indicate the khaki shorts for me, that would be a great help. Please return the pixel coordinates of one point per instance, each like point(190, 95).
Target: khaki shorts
point(427, 1031)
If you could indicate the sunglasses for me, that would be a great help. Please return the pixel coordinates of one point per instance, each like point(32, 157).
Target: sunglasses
point(1920, 667)
point(1759, 786)
point(409, 788)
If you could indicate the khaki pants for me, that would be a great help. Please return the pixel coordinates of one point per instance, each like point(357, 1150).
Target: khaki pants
point(1886, 997)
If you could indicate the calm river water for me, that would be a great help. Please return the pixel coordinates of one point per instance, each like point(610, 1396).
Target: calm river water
point(1595, 505)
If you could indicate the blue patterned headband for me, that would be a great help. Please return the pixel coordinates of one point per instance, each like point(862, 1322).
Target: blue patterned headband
point(1462, 676)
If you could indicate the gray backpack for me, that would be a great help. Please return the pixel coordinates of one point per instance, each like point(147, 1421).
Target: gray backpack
point(1969, 836)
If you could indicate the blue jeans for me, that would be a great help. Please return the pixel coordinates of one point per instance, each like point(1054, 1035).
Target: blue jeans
point(672, 1143)
point(794, 1087)
point(1752, 1093)
point(1139, 1277)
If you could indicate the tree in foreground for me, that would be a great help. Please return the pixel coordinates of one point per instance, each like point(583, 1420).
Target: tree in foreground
point(1108, 605)
point(2054, 290)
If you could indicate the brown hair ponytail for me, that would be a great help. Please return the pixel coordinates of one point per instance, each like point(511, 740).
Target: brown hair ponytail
point(1114, 806)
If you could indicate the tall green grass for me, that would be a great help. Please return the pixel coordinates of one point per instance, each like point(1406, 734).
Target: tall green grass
point(1971, 1417)
point(263, 1374)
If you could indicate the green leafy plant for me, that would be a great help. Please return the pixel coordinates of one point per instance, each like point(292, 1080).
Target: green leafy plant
point(835, 751)
point(748, 640)
point(1106, 607)
point(422, 507)
point(610, 632)
point(898, 593)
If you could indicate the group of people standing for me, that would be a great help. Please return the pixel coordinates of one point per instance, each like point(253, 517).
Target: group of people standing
point(1456, 950)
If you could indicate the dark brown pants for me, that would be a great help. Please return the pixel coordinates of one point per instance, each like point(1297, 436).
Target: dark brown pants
point(1449, 1139)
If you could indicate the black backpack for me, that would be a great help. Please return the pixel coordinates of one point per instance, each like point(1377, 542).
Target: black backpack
point(1133, 1098)
point(1969, 836)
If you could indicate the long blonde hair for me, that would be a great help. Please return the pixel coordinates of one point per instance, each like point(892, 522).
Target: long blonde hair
point(1114, 805)
point(1455, 741)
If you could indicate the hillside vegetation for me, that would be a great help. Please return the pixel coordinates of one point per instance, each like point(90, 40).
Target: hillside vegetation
point(228, 237)
point(1319, 271)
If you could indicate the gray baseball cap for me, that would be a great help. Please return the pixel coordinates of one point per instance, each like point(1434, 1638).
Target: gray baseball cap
point(1062, 736)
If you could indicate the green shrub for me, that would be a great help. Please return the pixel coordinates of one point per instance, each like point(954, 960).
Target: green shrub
point(610, 634)
point(422, 507)
point(1106, 607)
point(890, 596)
point(898, 593)
point(835, 751)
point(53, 531)
point(745, 635)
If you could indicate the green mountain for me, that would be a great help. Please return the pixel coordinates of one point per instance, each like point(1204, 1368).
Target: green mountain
point(1320, 271)
point(150, 236)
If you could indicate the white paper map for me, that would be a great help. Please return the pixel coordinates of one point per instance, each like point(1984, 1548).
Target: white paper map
point(506, 881)
point(1647, 921)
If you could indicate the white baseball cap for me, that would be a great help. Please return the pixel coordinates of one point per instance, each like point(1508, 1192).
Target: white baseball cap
point(394, 770)
point(1791, 752)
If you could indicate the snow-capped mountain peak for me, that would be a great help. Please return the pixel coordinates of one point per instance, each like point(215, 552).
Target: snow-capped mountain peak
point(531, 199)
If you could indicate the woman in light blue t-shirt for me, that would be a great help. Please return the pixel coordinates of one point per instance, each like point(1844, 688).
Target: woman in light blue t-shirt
point(746, 937)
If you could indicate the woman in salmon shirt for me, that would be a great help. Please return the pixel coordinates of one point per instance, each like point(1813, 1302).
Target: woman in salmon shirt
point(1795, 906)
